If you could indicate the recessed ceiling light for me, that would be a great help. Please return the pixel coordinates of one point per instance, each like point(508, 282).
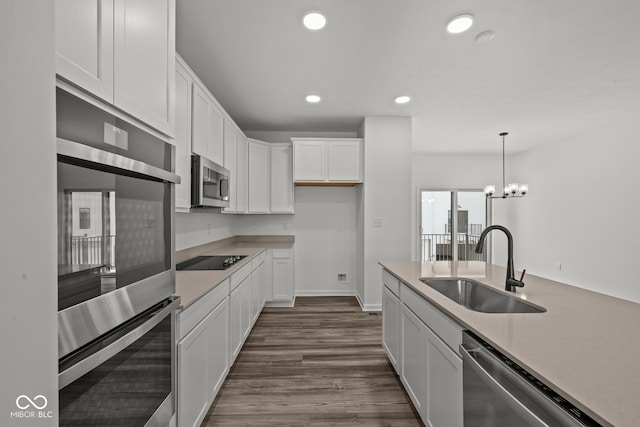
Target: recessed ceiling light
point(403, 99)
point(314, 20)
point(485, 37)
point(460, 23)
point(313, 99)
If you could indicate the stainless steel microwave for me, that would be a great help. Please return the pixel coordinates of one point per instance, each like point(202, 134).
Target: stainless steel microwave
point(209, 183)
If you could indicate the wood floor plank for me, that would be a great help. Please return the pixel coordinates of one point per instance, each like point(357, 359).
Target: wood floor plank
point(320, 363)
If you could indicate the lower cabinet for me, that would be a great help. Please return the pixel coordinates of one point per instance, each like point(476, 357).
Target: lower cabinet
point(391, 326)
point(431, 373)
point(203, 364)
point(422, 342)
point(283, 289)
point(240, 316)
point(256, 297)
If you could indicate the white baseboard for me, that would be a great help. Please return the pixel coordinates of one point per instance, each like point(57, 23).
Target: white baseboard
point(368, 307)
point(287, 304)
point(326, 293)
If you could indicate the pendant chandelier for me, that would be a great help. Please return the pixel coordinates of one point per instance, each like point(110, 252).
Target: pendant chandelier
point(508, 190)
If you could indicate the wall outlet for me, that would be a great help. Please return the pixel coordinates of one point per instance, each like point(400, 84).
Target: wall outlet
point(377, 222)
point(558, 266)
point(342, 277)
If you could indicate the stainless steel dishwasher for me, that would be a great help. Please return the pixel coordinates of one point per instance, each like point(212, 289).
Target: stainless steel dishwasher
point(497, 392)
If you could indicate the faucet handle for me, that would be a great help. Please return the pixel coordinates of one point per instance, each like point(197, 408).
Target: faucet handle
point(522, 276)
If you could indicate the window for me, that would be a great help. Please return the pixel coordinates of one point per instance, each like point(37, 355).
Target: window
point(85, 218)
point(441, 238)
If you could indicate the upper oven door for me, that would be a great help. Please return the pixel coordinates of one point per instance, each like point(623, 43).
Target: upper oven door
point(210, 183)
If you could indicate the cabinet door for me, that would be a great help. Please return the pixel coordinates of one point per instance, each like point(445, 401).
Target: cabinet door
point(413, 359)
point(259, 177)
point(444, 384)
point(218, 347)
point(246, 307)
point(282, 179)
point(216, 134)
point(235, 323)
point(230, 163)
point(182, 139)
point(144, 60)
point(193, 393)
point(266, 282)
point(344, 161)
point(200, 121)
point(242, 177)
point(84, 44)
point(309, 161)
point(391, 326)
point(255, 294)
point(282, 276)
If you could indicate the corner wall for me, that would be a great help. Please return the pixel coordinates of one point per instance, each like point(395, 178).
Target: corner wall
point(386, 195)
point(28, 216)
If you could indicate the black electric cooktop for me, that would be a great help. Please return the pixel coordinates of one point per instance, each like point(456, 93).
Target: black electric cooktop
point(210, 262)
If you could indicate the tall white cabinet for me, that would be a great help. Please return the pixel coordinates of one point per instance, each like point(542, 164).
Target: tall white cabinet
point(102, 49)
point(182, 140)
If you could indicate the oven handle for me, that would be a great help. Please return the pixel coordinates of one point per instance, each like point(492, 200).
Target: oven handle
point(96, 156)
point(74, 372)
point(470, 361)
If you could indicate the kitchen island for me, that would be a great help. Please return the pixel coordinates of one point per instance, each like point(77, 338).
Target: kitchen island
point(583, 346)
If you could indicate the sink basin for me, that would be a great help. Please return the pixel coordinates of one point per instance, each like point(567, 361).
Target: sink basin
point(478, 297)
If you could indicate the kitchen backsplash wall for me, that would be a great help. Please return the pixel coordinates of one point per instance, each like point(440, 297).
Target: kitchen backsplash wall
point(193, 229)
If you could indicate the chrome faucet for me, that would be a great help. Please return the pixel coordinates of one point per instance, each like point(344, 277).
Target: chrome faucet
point(511, 283)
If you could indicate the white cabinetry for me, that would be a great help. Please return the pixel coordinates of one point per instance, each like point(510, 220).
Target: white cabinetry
point(230, 162)
point(84, 44)
point(428, 363)
point(282, 179)
point(391, 326)
point(336, 160)
point(283, 280)
point(182, 139)
point(208, 125)
point(259, 177)
point(203, 354)
point(242, 176)
point(102, 48)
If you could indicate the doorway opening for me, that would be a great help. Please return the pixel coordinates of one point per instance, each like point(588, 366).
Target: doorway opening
point(444, 239)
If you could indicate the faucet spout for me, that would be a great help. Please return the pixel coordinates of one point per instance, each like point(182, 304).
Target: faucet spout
point(511, 282)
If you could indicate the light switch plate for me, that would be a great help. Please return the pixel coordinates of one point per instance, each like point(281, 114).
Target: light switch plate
point(377, 222)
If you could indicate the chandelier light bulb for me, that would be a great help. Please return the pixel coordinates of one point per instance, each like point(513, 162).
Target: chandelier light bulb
point(489, 190)
point(508, 190)
point(523, 189)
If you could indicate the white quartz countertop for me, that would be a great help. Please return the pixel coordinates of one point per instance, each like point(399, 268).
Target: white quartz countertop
point(193, 284)
point(585, 346)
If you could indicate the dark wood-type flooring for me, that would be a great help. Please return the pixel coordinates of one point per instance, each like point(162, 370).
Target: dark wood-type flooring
point(320, 363)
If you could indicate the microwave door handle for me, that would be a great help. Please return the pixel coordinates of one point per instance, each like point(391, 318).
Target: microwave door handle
point(224, 188)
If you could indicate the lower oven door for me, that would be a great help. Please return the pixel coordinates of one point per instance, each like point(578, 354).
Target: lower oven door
point(126, 377)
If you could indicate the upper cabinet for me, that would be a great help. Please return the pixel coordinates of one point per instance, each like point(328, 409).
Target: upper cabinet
point(282, 179)
point(208, 125)
point(230, 162)
point(327, 161)
point(123, 52)
point(259, 177)
point(182, 139)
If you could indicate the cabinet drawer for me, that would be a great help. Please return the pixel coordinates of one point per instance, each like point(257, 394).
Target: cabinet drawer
point(239, 276)
point(282, 253)
point(192, 315)
point(391, 282)
point(446, 329)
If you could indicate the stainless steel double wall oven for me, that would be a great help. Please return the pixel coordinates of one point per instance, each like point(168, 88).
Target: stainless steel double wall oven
point(116, 313)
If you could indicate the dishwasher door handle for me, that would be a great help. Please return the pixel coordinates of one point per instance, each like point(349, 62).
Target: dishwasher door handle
point(469, 361)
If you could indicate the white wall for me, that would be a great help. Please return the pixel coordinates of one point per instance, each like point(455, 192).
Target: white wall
point(583, 210)
point(28, 215)
point(387, 195)
point(193, 229)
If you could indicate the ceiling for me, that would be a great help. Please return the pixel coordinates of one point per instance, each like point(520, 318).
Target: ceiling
point(555, 69)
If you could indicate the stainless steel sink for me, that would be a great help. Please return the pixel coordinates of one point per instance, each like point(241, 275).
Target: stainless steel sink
point(478, 297)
